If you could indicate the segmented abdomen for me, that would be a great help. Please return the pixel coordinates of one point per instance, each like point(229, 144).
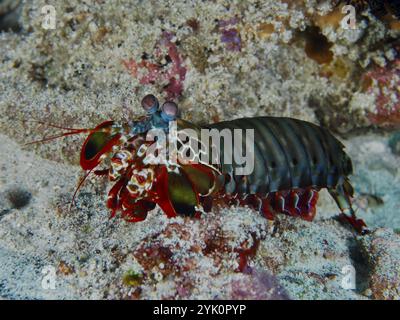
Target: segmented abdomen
point(288, 154)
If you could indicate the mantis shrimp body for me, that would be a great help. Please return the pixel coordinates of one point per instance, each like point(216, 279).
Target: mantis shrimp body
point(292, 159)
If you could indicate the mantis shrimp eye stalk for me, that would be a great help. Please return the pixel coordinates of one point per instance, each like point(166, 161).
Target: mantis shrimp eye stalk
point(169, 111)
point(150, 103)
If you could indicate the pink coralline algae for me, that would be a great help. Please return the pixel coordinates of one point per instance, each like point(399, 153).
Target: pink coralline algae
point(384, 83)
point(257, 285)
point(172, 73)
point(194, 253)
point(230, 35)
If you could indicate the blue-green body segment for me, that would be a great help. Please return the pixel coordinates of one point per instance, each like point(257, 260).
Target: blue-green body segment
point(288, 154)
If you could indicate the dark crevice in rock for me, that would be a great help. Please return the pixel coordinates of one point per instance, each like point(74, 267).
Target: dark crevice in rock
point(10, 12)
point(18, 198)
point(361, 265)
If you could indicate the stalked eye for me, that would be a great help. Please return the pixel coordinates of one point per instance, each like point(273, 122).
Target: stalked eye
point(169, 111)
point(150, 103)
